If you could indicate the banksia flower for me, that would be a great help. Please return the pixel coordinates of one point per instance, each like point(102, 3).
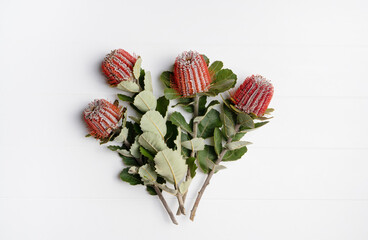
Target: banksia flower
point(102, 117)
point(254, 95)
point(191, 74)
point(118, 66)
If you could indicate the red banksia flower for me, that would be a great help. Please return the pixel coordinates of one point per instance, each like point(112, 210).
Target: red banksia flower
point(191, 74)
point(254, 95)
point(118, 66)
point(102, 117)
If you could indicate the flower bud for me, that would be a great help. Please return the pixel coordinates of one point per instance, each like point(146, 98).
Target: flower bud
point(254, 95)
point(102, 117)
point(118, 66)
point(191, 74)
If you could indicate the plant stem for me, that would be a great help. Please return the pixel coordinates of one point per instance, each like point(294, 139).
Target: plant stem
point(209, 176)
point(157, 190)
point(193, 153)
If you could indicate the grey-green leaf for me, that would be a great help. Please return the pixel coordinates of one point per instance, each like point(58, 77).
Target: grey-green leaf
point(217, 138)
point(228, 121)
point(234, 154)
point(245, 120)
point(209, 123)
point(178, 119)
point(165, 78)
point(122, 136)
point(171, 93)
point(145, 101)
point(237, 145)
point(206, 158)
point(137, 68)
point(195, 144)
point(170, 165)
point(152, 121)
point(128, 86)
point(152, 142)
point(183, 188)
point(148, 81)
point(147, 174)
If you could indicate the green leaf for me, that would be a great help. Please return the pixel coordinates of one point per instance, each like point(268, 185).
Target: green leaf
point(171, 165)
point(225, 75)
point(125, 98)
point(122, 136)
point(178, 140)
point(215, 67)
point(113, 148)
point(222, 86)
point(178, 119)
point(234, 154)
point(134, 149)
point(206, 158)
point(189, 108)
point(208, 109)
point(206, 59)
point(192, 166)
point(152, 121)
point(166, 77)
point(217, 138)
point(124, 152)
point(147, 174)
point(171, 134)
point(137, 68)
point(209, 123)
point(128, 86)
point(145, 153)
point(237, 145)
point(260, 124)
point(152, 142)
point(245, 120)
point(135, 119)
point(129, 161)
point(227, 118)
point(184, 151)
point(202, 105)
point(195, 144)
point(148, 82)
point(130, 178)
point(145, 101)
point(151, 190)
point(162, 105)
point(132, 131)
point(171, 93)
point(238, 136)
point(183, 188)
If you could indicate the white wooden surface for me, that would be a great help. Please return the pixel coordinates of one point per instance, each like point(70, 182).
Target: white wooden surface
point(305, 177)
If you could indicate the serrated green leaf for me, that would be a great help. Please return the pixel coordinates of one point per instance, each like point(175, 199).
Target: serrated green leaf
point(215, 67)
point(192, 166)
point(245, 120)
point(171, 93)
point(206, 158)
point(128, 86)
point(183, 188)
point(152, 142)
point(178, 119)
point(134, 149)
point(237, 145)
point(227, 118)
point(217, 138)
point(209, 123)
point(122, 136)
point(145, 153)
point(162, 105)
point(178, 140)
point(125, 98)
point(148, 82)
point(145, 101)
point(137, 68)
point(234, 154)
point(147, 174)
point(195, 144)
point(166, 77)
point(170, 165)
point(152, 121)
point(130, 178)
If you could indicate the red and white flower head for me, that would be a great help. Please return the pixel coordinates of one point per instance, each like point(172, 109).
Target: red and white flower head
point(254, 95)
point(118, 66)
point(102, 117)
point(191, 74)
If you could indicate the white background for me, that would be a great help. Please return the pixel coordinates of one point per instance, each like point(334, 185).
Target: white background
point(305, 176)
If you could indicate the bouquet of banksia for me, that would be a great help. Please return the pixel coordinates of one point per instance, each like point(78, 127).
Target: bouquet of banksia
point(160, 148)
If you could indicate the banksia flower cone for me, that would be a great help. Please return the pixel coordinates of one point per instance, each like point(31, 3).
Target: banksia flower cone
point(118, 66)
point(102, 117)
point(254, 95)
point(191, 74)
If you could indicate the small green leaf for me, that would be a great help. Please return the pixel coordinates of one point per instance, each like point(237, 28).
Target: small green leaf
point(122, 136)
point(183, 188)
point(206, 158)
point(130, 178)
point(145, 101)
point(137, 68)
point(135, 119)
point(245, 120)
point(171, 165)
point(166, 77)
point(227, 118)
point(202, 105)
point(129, 161)
point(238, 136)
point(151, 190)
point(162, 105)
point(128, 86)
point(192, 166)
point(225, 75)
point(152, 142)
point(209, 123)
point(148, 81)
point(152, 121)
point(125, 98)
point(145, 153)
point(260, 124)
point(234, 154)
point(124, 152)
point(195, 144)
point(237, 145)
point(208, 109)
point(147, 174)
point(171, 134)
point(171, 93)
point(217, 138)
point(134, 149)
point(113, 148)
point(178, 119)
point(219, 87)
point(215, 67)
point(178, 140)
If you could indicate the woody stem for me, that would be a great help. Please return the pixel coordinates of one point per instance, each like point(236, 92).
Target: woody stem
point(209, 176)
